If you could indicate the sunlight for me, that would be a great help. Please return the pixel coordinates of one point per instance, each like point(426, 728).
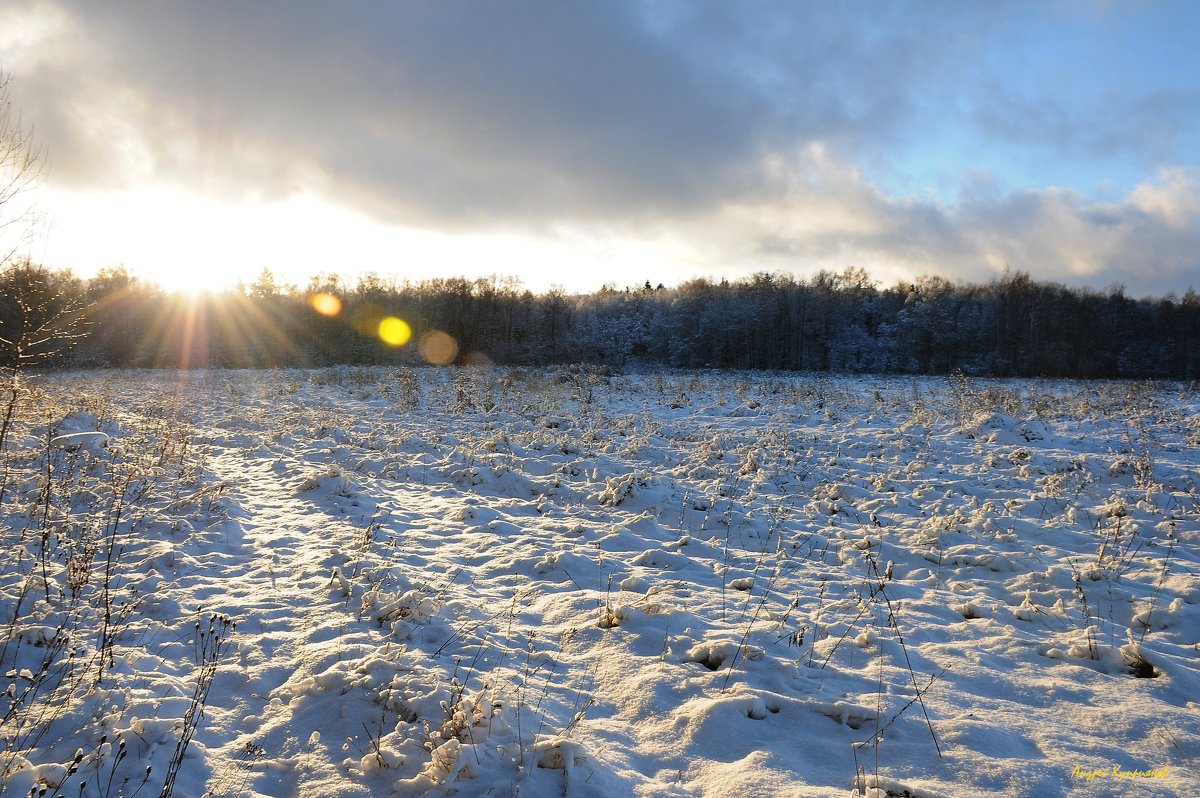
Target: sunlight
point(188, 242)
point(187, 287)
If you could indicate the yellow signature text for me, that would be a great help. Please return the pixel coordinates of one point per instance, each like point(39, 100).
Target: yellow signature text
point(1116, 772)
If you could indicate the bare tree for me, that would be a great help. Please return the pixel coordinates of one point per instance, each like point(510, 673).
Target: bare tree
point(20, 170)
point(38, 319)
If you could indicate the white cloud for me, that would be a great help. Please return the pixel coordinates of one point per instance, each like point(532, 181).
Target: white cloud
point(1175, 199)
point(832, 216)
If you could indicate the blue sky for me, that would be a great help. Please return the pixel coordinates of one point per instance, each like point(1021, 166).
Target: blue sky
point(579, 143)
point(1084, 96)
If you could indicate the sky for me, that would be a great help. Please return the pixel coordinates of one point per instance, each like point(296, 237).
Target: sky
point(576, 144)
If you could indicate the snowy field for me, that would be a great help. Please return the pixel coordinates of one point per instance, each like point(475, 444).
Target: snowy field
point(435, 582)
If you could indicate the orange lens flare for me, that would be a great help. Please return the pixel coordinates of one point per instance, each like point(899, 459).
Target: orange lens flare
point(438, 348)
point(325, 304)
point(394, 332)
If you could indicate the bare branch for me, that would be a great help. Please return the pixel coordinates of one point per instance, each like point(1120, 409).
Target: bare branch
point(21, 163)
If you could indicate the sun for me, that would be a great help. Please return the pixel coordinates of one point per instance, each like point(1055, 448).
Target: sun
point(183, 283)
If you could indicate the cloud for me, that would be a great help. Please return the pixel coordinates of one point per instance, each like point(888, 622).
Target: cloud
point(440, 111)
point(752, 134)
point(472, 112)
point(1148, 240)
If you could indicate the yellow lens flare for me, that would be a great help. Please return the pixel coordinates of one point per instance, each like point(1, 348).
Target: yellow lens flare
point(438, 348)
point(394, 332)
point(325, 304)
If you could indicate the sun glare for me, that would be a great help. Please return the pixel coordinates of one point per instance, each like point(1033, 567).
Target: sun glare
point(438, 348)
point(325, 304)
point(184, 285)
point(187, 242)
point(394, 331)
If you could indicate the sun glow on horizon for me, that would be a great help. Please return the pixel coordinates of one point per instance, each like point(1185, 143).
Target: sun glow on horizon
point(189, 243)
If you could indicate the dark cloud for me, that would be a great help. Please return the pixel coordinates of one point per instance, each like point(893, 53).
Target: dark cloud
point(476, 111)
point(442, 110)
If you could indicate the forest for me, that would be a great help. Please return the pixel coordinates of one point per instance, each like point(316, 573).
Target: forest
point(843, 321)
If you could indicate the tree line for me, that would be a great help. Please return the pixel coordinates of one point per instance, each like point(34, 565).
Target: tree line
point(1012, 325)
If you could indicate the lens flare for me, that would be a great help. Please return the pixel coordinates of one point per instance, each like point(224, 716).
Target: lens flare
point(438, 348)
point(394, 331)
point(325, 304)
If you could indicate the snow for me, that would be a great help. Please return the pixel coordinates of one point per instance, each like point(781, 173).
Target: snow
point(80, 440)
point(678, 584)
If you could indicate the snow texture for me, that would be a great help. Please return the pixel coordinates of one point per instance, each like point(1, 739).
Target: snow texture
point(473, 582)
